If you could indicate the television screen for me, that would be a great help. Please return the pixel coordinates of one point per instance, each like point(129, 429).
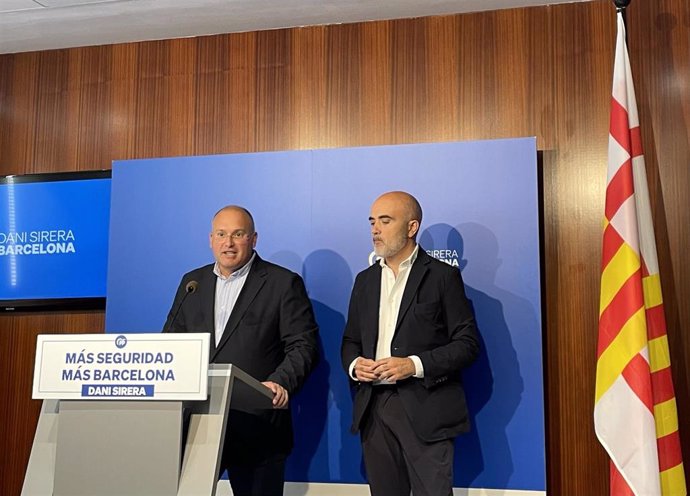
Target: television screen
point(54, 240)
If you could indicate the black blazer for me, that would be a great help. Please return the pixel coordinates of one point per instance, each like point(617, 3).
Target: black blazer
point(271, 333)
point(435, 322)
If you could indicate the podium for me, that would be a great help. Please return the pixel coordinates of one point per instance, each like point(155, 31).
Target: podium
point(135, 447)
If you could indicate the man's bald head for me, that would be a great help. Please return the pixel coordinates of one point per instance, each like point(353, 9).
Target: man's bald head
point(242, 210)
point(412, 208)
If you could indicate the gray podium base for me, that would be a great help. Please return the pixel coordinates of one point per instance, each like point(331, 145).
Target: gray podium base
point(117, 448)
point(131, 448)
point(40, 472)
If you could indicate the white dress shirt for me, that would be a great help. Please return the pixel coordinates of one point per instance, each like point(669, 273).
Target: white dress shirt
point(392, 289)
point(227, 290)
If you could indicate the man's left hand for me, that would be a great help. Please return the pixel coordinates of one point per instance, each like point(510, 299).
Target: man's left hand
point(394, 369)
point(280, 394)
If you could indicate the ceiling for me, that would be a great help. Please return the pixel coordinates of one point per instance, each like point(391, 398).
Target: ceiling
point(29, 25)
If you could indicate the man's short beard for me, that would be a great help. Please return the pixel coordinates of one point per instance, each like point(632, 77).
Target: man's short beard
point(386, 251)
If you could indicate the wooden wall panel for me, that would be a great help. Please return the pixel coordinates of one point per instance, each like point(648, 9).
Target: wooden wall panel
point(19, 413)
point(275, 117)
point(661, 69)
point(345, 85)
point(542, 71)
point(575, 182)
point(225, 102)
point(308, 73)
point(20, 87)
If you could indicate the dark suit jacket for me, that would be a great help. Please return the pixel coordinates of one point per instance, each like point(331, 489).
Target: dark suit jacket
point(435, 323)
point(271, 334)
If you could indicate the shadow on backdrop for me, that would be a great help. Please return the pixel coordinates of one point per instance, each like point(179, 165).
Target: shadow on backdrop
point(324, 450)
point(493, 383)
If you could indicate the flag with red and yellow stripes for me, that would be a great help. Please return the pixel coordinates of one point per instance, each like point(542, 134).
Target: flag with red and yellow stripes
point(635, 415)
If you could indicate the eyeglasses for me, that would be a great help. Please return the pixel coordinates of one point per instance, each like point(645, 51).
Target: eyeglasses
point(238, 235)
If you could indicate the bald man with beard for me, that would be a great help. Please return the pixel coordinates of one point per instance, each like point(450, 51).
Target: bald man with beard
point(410, 331)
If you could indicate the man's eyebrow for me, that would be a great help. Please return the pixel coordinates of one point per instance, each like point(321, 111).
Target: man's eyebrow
point(385, 216)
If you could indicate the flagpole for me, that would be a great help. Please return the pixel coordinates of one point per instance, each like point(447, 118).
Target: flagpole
point(620, 7)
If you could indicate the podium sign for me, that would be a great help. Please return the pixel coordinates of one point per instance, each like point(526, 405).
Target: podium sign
point(122, 366)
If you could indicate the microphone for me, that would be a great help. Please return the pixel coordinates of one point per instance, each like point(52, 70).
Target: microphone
point(188, 289)
point(191, 287)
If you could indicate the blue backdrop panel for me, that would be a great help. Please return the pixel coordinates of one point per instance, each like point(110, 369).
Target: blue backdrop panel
point(160, 221)
point(311, 209)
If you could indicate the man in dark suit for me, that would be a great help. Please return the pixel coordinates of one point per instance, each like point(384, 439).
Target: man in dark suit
point(260, 320)
point(409, 332)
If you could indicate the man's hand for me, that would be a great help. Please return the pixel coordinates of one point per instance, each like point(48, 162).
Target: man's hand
point(280, 395)
point(364, 370)
point(394, 369)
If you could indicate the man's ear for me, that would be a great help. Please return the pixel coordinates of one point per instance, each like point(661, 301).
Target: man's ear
point(412, 228)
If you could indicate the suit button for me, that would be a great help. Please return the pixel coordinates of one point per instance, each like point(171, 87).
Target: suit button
point(395, 349)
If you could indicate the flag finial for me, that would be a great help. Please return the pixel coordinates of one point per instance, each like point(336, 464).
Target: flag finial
point(621, 4)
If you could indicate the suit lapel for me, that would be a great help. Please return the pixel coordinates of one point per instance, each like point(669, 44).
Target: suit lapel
point(419, 268)
point(372, 300)
point(255, 281)
point(207, 295)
